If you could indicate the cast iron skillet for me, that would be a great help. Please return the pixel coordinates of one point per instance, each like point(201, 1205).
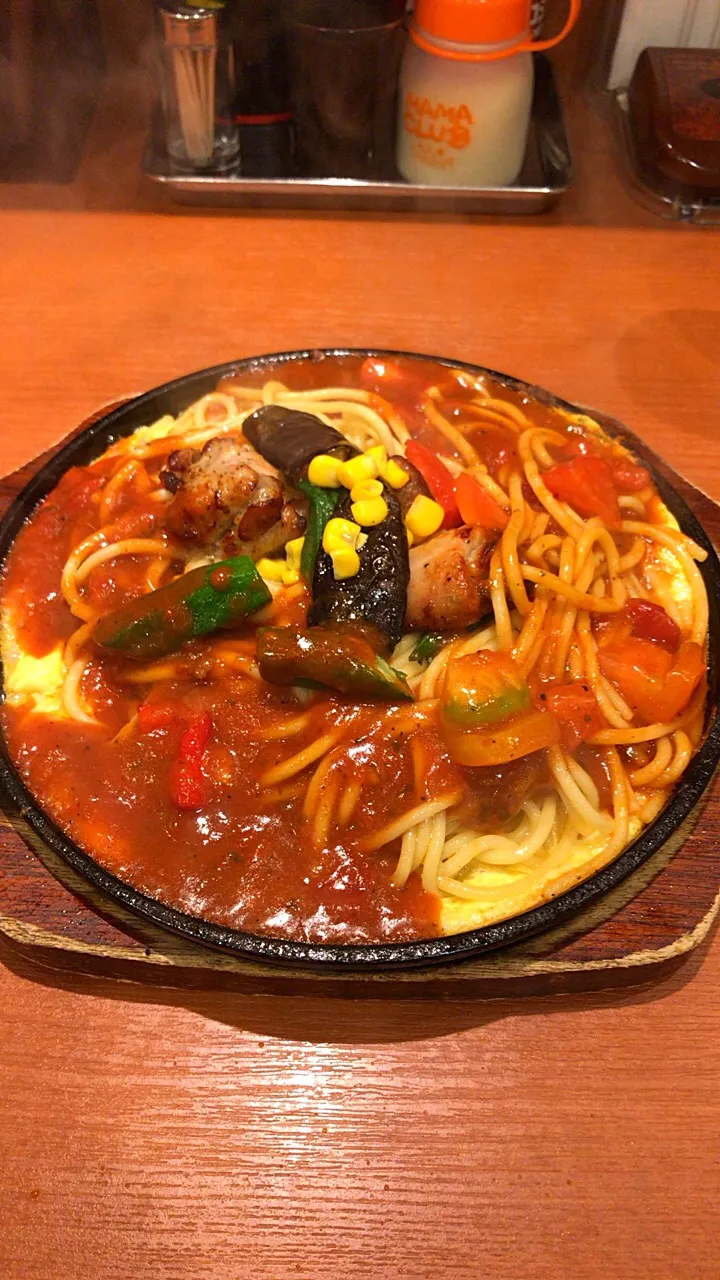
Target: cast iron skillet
point(174, 397)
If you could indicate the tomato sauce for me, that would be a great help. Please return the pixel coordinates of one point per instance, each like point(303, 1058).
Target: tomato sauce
point(242, 861)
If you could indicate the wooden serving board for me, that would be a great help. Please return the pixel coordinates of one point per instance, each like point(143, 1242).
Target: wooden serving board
point(642, 929)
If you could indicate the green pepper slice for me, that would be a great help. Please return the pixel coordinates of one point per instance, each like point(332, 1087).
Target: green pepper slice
point(322, 505)
point(329, 658)
point(195, 604)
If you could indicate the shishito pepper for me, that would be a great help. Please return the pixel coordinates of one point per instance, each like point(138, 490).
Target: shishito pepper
point(328, 658)
point(214, 596)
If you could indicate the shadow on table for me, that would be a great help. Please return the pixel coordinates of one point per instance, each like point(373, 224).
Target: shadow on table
point(364, 1015)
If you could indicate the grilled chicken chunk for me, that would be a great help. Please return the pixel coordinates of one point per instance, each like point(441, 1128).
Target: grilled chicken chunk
point(292, 524)
point(229, 495)
point(449, 587)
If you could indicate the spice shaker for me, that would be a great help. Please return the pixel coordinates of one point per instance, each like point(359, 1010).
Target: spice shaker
point(466, 91)
point(197, 86)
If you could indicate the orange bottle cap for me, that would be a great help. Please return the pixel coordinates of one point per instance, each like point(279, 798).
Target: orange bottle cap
point(474, 22)
point(495, 28)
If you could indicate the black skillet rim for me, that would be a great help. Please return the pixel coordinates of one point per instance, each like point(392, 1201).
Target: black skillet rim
point(367, 957)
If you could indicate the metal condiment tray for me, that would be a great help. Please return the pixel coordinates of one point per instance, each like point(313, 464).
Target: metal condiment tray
point(546, 175)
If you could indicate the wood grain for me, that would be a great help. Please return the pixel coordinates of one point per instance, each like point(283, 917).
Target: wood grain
point(194, 1135)
point(644, 928)
point(605, 318)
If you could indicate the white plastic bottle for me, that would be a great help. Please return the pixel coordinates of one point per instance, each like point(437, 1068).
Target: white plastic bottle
point(466, 91)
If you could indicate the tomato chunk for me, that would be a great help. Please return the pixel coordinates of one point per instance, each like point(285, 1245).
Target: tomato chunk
point(476, 506)
point(654, 685)
point(152, 715)
point(517, 736)
point(683, 679)
point(586, 484)
point(628, 476)
point(496, 448)
point(612, 627)
point(578, 443)
point(637, 668)
point(438, 480)
point(651, 622)
point(189, 787)
point(576, 710)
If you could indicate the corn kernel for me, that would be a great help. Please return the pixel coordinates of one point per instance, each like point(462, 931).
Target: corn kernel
point(323, 471)
point(410, 536)
point(271, 570)
point(424, 517)
point(379, 453)
point(290, 576)
point(366, 489)
point(394, 475)
point(370, 511)
point(361, 468)
point(345, 563)
point(340, 534)
point(293, 553)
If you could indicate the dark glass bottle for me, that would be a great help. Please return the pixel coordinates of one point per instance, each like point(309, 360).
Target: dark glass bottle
point(262, 101)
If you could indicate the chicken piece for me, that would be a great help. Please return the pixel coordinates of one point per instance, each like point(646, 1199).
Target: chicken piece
point(292, 524)
point(227, 485)
point(449, 587)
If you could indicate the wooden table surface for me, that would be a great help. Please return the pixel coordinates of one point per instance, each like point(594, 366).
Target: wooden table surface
point(146, 1133)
